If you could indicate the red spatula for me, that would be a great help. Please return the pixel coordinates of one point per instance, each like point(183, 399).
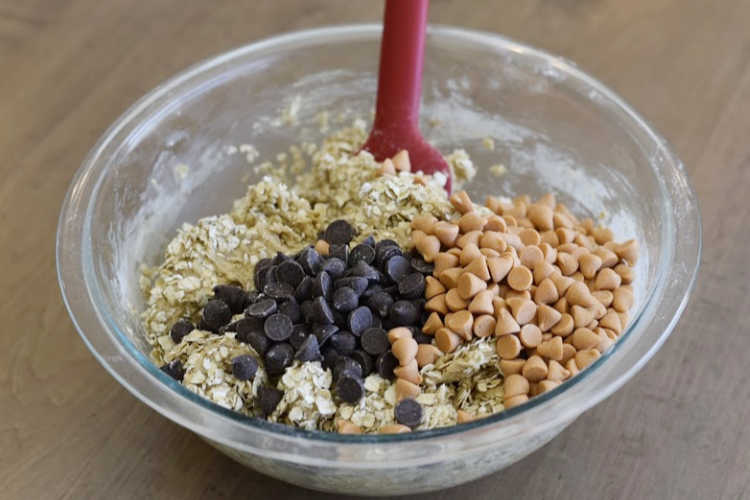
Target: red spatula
point(396, 125)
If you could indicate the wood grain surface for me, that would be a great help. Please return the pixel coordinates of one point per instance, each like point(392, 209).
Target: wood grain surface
point(68, 68)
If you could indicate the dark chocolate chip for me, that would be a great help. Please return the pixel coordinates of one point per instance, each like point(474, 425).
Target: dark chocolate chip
point(260, 271)
point(419, 265)
point(397, 267)
point(385, 363)
point(264, 277)
point(320, 311)
point(364, 360)
point(365, 270)
point(278, 327)
point(350, 389)
point(385, 243)
point(299, 334)
point(309, 350)
point(279, 258)
point(279, 290)
point(339, 319)
point(380, 302)
point(345, 299)
point(344, 342)
point(339, 232)
point(371, 290)
point(369, 241)
point(411, 286)
point(374, 341)
point(181, 328)
point(324, 332)
point(346, 365)
point(356, 283)
point(340, 252)
point(376, 321)
point(278, 357)
point(403, 313)
point(261, 309)
point(330, 356)
point(245, 326)
point(234, 296)
point(290, 272)
point(216, 314)
point(174, 369)
point(359, 320)
point(253, 297)
point(304, 289)
point(292, 309)
point(321, 285)
point(257, 340)
point(244, 367)
point(268, 399)
point(362, 252)
point(385, 253)
point(421, 338)
point(309, 259)
point(408, 412)
point(335, 267)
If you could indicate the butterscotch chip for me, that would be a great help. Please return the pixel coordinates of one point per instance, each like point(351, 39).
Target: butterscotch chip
point(401, 161)
point(511, 366)
point(449, 277)
point(499, 267)
point(445, 232)
point(541, 216)
point(561, 218)
point(607, 279)
point(523, 309)
point(428, 246)
point(535, 369)
point(625, 272)
point(405, 389)
point(432, 287)
point(530, 335)
point(556, 371)
point(495, 223)
point(484, 325)
point(493, 240)
point(427, 354)
point(394, 429)
point(482, 303)
point(463, 417)
point(520, 278)
point(471, 221)
point(549, 252)
point(346, 427)
point(460, 322)
point(472, 237)
point(546, 292)
point(562, 283)
point(515, 401)
point(454, 301)
point(567, 263)
point(622, 299)
point(443, 261)
point(579, 294)
point(404, 349)
point(515, 385)
point(529, 236)
point(604, 341)
point(583, 338)
point(454, 251)
point(543, 271)
point(585, 242)
point(510, 221)
point(446, 340)
point(469, 253)
point(513, 240)
point(565, 326)
point(628, 251)
point(589, 265)
point(581, 316)
point(623, 318)
point(562, 305)
point(608, 257)
point(508, 347)
point(585, 358)
point(437, 304)
point(424, 223)
point(551, 349)
point(409, 372)
point(387, 168)
point(494, 288)
point(400, 332)
point(531, 256)
point(433, 324)
point(494, 204)
point(547, 385)
point(605, 297)
point(571, 366)
point(612, 321)
point(498, 303)
point(479, 268)
point(462, 202)
point(322, 247)
point(547, 317)
point(488, 252)
point(549, 238)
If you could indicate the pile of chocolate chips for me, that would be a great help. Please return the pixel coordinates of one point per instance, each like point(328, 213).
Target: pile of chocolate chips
point(335, 308)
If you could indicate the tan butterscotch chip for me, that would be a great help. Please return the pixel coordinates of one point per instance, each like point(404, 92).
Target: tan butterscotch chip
point(583, 338)
point(445, 232)
point(562, 305)
point(520, 278)
point(443, 261)
point(523, 309)
point(628, 251)
point(515, 401)
point(546, 292)
point(511, 366)
point(428, 246)
point(405, 389)
point(551, 349)
point(494, 288)
point(495, 223)
point(449, 277)
point(581, 316)
point(556, 371)
point(508, 346)
point(541, 216)
point(626, 273)
point(427, 354)
point(605, 297)
point(547, 385)
point(589, 265)
point(506, 323)
point(494, 204)
point(454, 301)
point(565, 326)
point(527, 236)
point(571, 366)
point(567, 263)
point(549, 238)
point(535, 369)
point(586, 357)
point(608, 257)
point(469, 253)
point(513, 240)
point(432, 287)
point(322, 247)
point(543, 271)
point(579, 294)
point(607, 279)
point(470, 238)
point(346, 427)
point(387, 168)
point(549, 252)
point(499, 267)
point(488, 252)
point(568, 352)
point(401, 161)
point(409, 372)
point(462, 202)
point(437, 304)
point(454, 251)
point(433, 324)
point(531, 256)
point(446, 340)
point(482, 303)
point(623, 318)
point(530, 335)
point(400, 332)
point(424, 223)
point(463, 417)
point(468, 285)
point(612, 321)
point(622, 299)
point(471, 221)
point(394, 429)
point(493, 240)
point(404, 349)
point(515, 385)
point(547, 317)
point(460, 322)
point(484, 325)
point(562, 283)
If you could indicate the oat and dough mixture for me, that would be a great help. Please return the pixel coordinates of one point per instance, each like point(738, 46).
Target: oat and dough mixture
point(275, 217)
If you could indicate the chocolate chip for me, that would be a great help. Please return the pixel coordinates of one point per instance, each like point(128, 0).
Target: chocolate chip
point(345, 365)
point(345, 299)
point(362, 252)
point(320, 311)
point(321, 285)
point(385, 243)
point(253, 297)
point(411, 286)
point(420, 337)
point(339, 319)
point(356, 283)
point(364, 360)
point(340, 252)
point(376, 321)
point(292, 309)
point(264, 277)
point(278, 357)
point(408, 412)
point(335, 267)
point(350, 389)
point(324, 332)
point(299, 334)
point(290, 272)
point(330, 356)
point(279, 258)
point(234, 296)
point(371, 290)
point(309, 259)
point(384, 253)
point(304, 289)
point(397, 267)
point(260, 272)
point(246, 325)
point(216, 313)
point(369, 241)
point(244, 367)
point(278, 327)
point(174, 369)
point(380, 302)
point(374, 341)
point(339, 232)
point(358, 320)
point(403, 313)
point(344, 342)
point(181, 328)
point(268, 399)
point(385, 363)
point(279, 290)
point(257, 340)
point(365, 270)
point(309, 350)
point(420, 266)
point(261, 309)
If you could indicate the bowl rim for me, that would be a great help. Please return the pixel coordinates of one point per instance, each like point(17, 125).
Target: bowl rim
point(71, 255)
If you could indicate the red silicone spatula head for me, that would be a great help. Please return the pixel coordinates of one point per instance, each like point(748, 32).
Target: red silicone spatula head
point(396, 125)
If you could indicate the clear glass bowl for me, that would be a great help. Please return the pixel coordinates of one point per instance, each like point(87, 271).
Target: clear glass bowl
point(554, 127)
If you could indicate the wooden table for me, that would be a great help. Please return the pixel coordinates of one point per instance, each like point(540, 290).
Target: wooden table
point(68, 68)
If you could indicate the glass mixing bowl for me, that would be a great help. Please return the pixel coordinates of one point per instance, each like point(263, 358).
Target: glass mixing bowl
point(554, 127)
